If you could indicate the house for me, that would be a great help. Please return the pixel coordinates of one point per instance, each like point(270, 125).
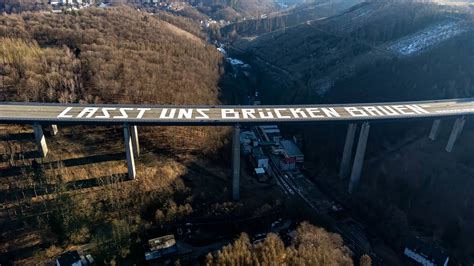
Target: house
point(425, 254)
point(259, 172)
point(256, 99)
point(161, 247)
point(248, 140)
point(65, 2)
point(248, 137)
point(246, 149)
point(290, 150)
point(73, 258)
point(276, 149)
point(69, 258)
point(260, 159)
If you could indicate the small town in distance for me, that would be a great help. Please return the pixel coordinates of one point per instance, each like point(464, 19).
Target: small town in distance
point(236, 132)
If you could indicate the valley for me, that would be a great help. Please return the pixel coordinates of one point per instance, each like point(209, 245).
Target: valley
point(291, 69)
point(240, 53)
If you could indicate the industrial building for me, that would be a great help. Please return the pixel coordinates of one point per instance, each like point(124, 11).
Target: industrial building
point(287, 164)
point(291, 151)
point(271, 133)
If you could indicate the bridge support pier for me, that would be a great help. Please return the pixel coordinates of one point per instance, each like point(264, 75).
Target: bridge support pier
point(359, 157)
point(435, 129)
point(135, 142)
point(54, 130)
point(236, 163)
point(129, 152)
point(455, 133)
point(347, 153)
point(40, 140)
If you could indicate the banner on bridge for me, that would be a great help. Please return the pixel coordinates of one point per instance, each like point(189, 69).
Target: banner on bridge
point(176, 115)
point(300, 113)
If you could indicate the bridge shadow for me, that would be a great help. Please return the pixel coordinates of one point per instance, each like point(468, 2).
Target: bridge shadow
point(19, 253)
point(18, 137)
point(45, 189)
point(93, 159)
point(17, 170)
point(19, 156)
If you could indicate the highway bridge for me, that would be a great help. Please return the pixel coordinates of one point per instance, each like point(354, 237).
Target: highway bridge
point(131, 116)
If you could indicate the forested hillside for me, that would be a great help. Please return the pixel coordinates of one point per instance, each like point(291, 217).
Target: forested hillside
point(313, 11)
point(316, 56)
point(311, 246)
point(374, 52)
point(77, 194)
point(234, 9)
point(113, 56)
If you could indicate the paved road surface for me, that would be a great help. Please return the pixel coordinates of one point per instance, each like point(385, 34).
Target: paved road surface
point(24, 113)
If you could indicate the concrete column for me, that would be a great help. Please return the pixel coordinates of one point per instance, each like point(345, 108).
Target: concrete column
point(347, 153)
point(54, 130)
point(135, 142)
point(40, 140)
point(359, 157)
point(455, 133)
point(129, 151)
point(435, 129)
point(236, 163)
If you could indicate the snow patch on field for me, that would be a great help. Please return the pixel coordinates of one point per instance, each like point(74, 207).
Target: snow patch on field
point(426, 38)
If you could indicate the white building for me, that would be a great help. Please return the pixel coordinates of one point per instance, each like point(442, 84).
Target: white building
point(425, 254)
point(73, 258)
point(66, 2)
point(261, 161)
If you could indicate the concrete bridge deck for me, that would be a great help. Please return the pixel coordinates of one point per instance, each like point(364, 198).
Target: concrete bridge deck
point(50, 113)
point(131, 116)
